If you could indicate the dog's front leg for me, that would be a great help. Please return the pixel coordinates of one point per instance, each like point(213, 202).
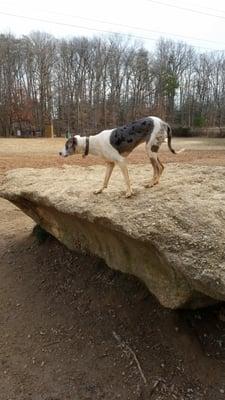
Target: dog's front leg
point(123, 167)
point(108, 173)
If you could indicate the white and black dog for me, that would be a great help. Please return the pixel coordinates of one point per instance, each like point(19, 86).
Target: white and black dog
point(114, 145)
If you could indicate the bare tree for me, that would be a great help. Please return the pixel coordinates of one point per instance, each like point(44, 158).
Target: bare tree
point(89, 84)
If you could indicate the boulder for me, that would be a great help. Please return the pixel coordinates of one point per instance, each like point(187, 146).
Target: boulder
point(171, 236)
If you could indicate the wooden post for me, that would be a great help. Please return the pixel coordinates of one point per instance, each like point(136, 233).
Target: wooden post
point(52, 129)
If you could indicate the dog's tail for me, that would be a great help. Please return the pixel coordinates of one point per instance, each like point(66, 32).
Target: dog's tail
point(169, 136)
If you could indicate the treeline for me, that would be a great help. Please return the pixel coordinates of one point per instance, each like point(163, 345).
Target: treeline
point(85, 85)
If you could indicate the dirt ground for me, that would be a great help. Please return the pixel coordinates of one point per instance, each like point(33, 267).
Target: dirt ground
point(72, 329)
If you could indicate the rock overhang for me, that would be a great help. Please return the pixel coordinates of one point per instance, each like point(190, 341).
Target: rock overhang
point(172, 236)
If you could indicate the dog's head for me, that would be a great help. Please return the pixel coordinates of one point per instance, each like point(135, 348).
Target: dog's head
point(69, 148)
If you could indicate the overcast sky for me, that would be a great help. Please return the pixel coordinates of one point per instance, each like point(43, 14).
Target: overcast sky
point(145, 20)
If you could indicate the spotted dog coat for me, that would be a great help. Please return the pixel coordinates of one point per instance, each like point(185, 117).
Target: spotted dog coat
point(114, 145)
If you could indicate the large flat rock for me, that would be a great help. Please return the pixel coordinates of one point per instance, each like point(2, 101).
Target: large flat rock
point(171, 236)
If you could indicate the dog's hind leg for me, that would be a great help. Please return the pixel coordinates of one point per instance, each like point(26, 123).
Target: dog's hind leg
point(161, 166)
point(152, 150)
point(156, 172)
point(123, 167)
point(108, 173)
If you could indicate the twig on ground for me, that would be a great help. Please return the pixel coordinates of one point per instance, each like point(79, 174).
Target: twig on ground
point(126, 348)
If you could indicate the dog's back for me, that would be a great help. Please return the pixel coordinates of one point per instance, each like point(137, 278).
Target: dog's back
point(125, 138)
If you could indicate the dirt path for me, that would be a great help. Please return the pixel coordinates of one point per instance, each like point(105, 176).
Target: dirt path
point(42, 153)
point(72, 329)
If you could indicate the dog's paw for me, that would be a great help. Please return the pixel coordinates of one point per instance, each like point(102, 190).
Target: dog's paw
point(98, 191)
point(129, 194)
point(150, 184)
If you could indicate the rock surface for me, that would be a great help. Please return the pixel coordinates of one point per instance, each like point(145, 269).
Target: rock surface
point(171, 236)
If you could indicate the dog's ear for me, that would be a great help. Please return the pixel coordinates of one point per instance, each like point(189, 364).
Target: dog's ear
point(74, 141)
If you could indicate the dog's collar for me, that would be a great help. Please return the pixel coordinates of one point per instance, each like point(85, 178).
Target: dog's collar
point(86, 147)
